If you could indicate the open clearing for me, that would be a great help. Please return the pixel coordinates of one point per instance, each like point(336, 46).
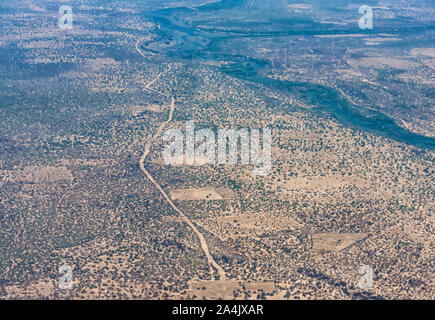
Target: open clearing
point(138, 110)
point(429, 52)
point(383, 63)
point(335, 241)
point(195, 194)
point(229, 289)
point(34, 174)
point(238, 225)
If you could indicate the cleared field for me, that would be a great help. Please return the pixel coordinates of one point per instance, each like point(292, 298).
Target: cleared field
point(429, 52)
point(195, 194)
point(233, 226)
point(173, 219)
point(138, 110)
point(34, 174)
point(225, 192)
point(311, 183)
point(229, 289)
point(335, 241)
point(383, 63)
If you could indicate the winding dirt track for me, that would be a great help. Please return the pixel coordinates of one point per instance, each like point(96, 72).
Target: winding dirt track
point(148, 145)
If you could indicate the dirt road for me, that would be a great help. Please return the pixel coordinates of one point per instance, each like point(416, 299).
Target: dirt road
point(148, 145)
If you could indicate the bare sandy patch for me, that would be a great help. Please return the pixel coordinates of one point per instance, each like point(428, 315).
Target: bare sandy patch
point(229, 289)
point(429, 52)
point(138, 110)
point(384, 62)
point(40, 44)
point(225, 192)
point(335, 241)
point(173, 219)
point(35, 174)
point(39, 289)
point(233, 226)
point(102, 62)
point(195, 194)
point(325, 182)
point(416, 78)
point(87, 162)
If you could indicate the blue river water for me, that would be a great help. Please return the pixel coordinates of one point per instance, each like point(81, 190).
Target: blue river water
point(190, 42)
